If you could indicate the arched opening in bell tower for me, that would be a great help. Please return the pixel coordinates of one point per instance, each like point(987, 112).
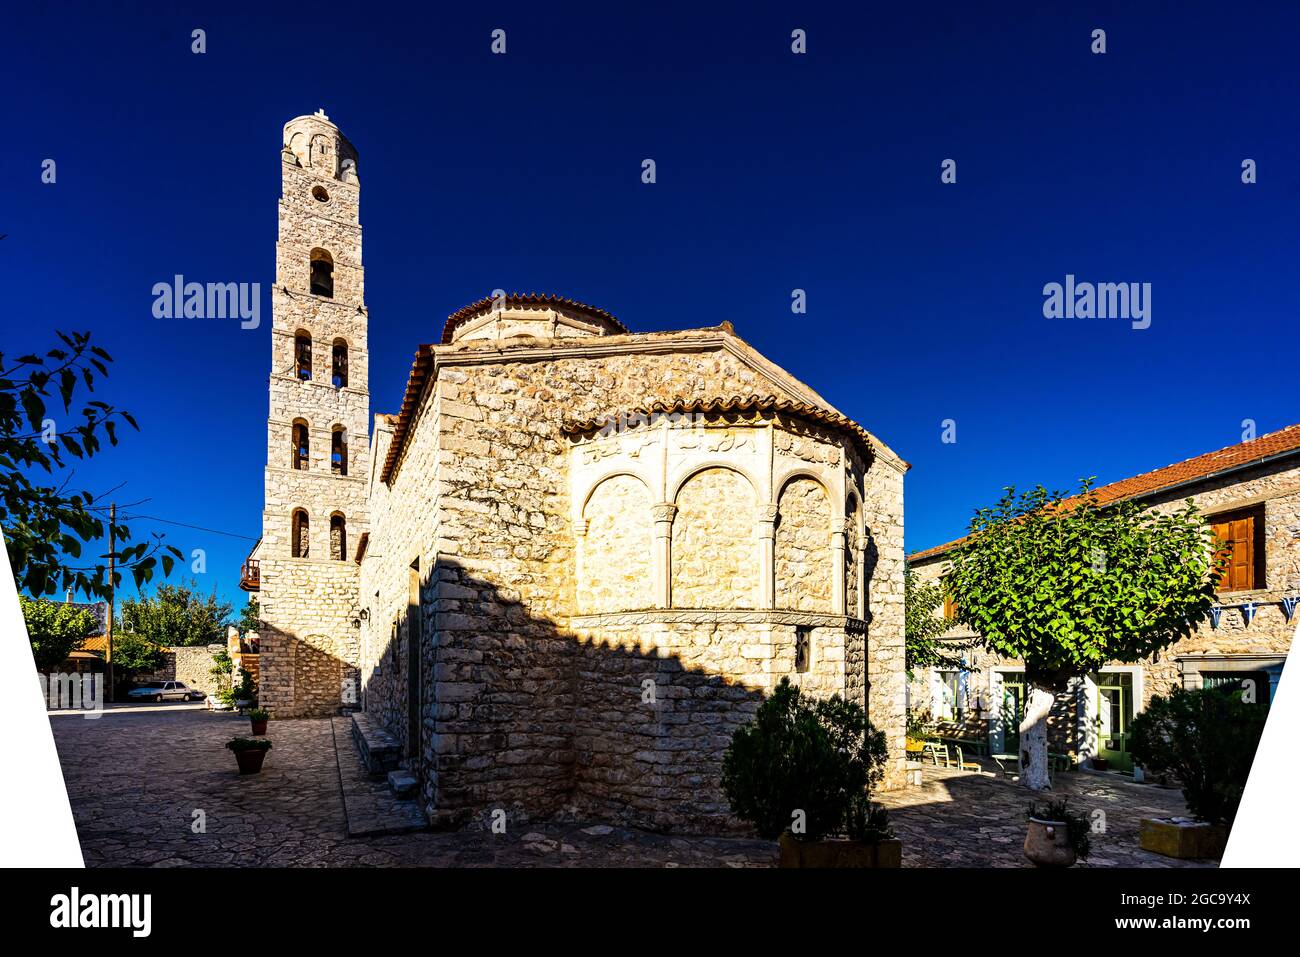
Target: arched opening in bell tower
point(322, 273)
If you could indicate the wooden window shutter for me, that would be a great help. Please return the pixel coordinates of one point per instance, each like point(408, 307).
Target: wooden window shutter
point(1239, 534)
point(949, 605)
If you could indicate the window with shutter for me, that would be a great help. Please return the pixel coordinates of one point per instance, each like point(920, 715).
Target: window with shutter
point(1240, 536)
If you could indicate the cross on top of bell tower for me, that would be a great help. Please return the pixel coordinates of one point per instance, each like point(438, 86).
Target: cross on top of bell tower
point(321, 113)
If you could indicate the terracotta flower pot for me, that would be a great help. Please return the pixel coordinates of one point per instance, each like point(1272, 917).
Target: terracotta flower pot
point(250, 761)
point(259, 727)
point(1047, 843)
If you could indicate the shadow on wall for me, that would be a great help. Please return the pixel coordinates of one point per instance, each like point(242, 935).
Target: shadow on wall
point(298, 678)
point(516, 715)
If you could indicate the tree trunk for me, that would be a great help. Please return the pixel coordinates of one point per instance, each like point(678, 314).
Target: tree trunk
point(1033, 736)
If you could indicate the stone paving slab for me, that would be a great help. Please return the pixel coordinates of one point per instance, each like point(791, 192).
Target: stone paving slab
point(369, 807)
point(966, 819)
point(137, 778)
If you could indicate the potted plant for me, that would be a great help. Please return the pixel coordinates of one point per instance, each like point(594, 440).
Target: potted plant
point(249, 753)
point(1056, 836)
point(1206, 740)
point(802, 772)
point(246, 692)
point(258, 717)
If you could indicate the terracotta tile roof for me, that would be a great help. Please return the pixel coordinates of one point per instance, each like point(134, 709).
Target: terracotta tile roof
point(737, 403)
point(531, 299)
point(1202, 466)
point(420, 370)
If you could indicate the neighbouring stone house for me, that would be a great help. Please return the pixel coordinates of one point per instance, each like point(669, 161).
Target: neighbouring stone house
point(577, 558)
point(191, 664)
point(1250, 495)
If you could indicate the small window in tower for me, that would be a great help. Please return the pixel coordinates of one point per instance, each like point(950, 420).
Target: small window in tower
point(301, 536)
point(339, 451)
point(322, 273)
point(340, 364)
point(338, 538)
point(802, 647)
point(320, 195)
point(301, 445)
point(302, 354)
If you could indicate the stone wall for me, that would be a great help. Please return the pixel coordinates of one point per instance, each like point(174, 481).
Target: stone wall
point(715, 563)
point(617, 573)
point(533, 680)
point(803, 555)
point(191, 664)
point(309, 644)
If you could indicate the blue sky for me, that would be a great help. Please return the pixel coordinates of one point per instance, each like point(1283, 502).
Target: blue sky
point(775, 172)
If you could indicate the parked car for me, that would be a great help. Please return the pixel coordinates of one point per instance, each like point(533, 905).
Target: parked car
point(164, 691)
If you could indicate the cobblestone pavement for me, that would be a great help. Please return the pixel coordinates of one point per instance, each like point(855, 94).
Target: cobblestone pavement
point(963, 819)
point(138, 777)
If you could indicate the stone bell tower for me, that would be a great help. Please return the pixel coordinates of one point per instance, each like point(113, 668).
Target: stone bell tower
point(317, 451)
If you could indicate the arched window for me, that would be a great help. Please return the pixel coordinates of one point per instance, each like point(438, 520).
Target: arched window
point(301, 445)
point(339, 451)
point(322, 273)
point(302, 354)
point(339, 367)
point(338, 538)
point(301, 534)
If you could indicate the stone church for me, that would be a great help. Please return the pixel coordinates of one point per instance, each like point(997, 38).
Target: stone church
point(576, 558)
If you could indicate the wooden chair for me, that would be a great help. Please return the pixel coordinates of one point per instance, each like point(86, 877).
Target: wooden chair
point(935, 748)
point(964, 765)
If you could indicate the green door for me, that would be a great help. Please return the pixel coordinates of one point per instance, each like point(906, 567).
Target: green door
point(1013, 712)
point(1114, 715)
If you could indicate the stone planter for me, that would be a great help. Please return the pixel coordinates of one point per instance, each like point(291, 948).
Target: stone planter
point(840, 852)
point(1183, 838)
point(250, 760)
point(1047, 843)
point(216, 704)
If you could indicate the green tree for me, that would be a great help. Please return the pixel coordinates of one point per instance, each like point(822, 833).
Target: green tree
point(46, 527)
point(1066, 586)
point(55, 629)
point(134, 653)
point(249, 617)
point(925, 629)
point(176, 615)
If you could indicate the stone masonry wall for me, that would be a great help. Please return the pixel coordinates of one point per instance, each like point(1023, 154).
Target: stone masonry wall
point(715, 563)
point(191, 664)
point(524, 709)
point(309, 644)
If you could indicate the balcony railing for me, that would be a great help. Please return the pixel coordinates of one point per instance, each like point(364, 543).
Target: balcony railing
point(250, 575)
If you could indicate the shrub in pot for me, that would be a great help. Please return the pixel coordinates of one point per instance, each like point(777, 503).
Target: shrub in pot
point(1056, 836)
point(249, 753)
point(1206, 740)
point(245, 694)
point(258, 718)
point(802, 771)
